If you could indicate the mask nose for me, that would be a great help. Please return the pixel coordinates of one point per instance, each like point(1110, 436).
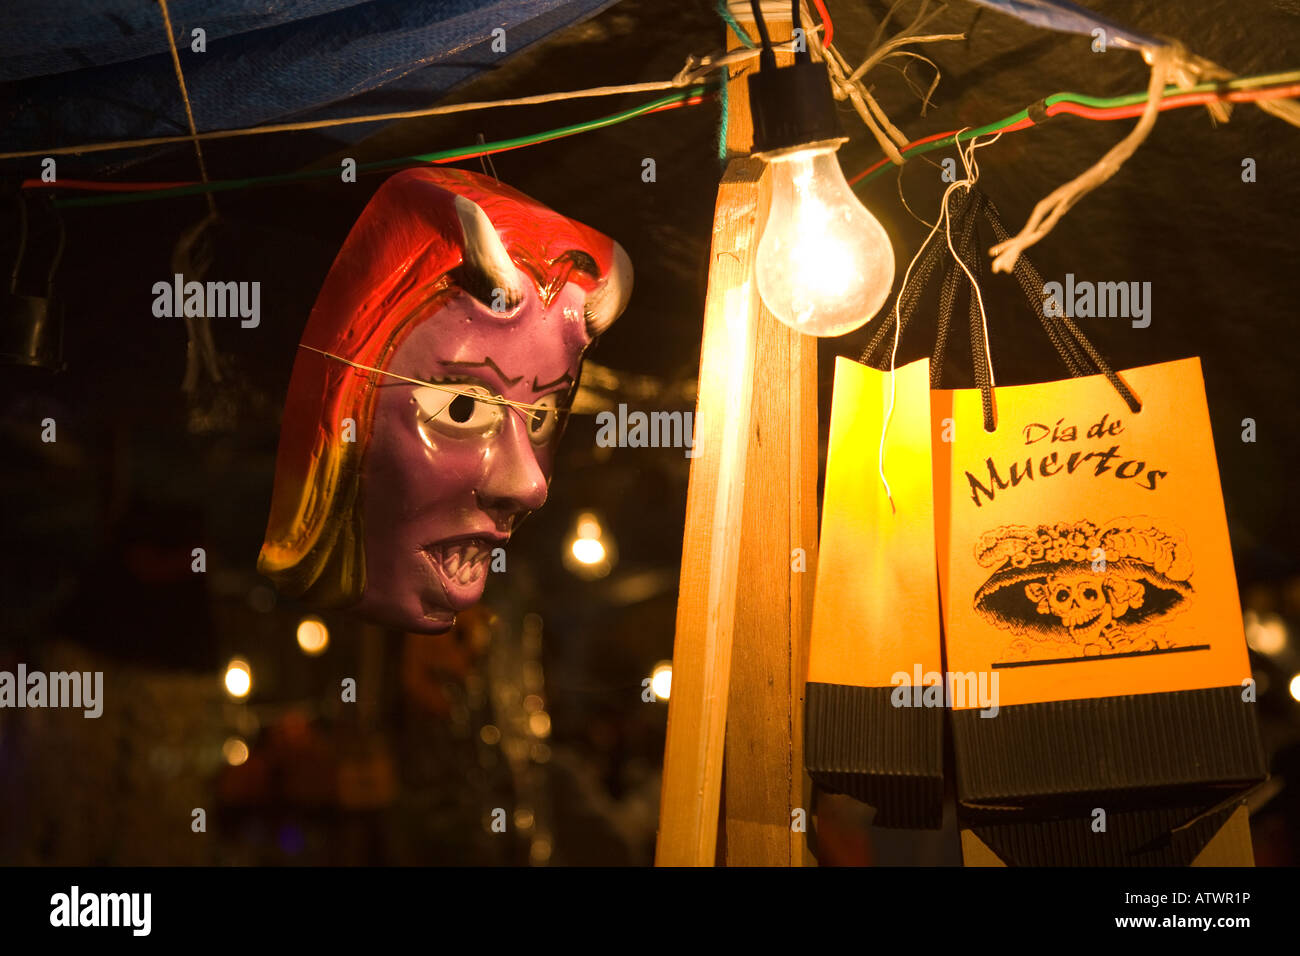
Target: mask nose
point(513, 483)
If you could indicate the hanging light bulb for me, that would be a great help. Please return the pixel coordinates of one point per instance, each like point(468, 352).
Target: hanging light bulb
point(825, 264)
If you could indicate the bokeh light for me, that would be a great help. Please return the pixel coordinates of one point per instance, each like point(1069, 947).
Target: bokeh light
point(239, 677)
point(588, 551)
point(235, 751)
point(1265, 633)
point(661, 679)
point(313, 636)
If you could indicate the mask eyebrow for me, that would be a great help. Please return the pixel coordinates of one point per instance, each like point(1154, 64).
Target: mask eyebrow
point(493, 400)
point(488, 363)
point(565, 378)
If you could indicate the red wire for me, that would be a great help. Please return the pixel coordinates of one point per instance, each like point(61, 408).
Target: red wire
point(1021, 124)
point(1113, 113)
point(826, 22)
point(1175, 100)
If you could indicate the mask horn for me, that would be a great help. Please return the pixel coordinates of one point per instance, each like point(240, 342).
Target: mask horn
point(487, 266)
point(606, 302)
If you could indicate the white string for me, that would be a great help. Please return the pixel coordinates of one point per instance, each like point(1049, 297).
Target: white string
point(489, 399)
point(972, 174)
point(894, 352)
point(971, 167)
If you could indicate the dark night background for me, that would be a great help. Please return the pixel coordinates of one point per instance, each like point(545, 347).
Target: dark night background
point(98, 526)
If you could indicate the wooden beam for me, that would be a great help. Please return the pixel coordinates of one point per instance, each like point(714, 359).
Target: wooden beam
point(764, 766)
point(751, 503)
point(706, 603)
point(765, 780)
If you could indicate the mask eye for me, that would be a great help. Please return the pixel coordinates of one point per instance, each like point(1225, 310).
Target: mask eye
point(1062, 596)
point(543, 420)
point(459, 415)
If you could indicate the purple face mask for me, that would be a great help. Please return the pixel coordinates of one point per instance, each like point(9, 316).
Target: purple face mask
point(429, 393)
point(446, 477)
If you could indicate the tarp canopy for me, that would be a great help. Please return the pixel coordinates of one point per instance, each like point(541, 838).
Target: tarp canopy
point(74, 71)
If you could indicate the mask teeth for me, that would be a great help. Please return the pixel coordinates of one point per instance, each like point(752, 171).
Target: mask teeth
point(464, 562)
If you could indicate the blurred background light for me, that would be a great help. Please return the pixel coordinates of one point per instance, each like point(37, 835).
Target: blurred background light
point(235, 751)
point(588, 550)
point(540, 724)
point(1265, 633)
point(590, 553)
point(661, 679)
point(588, 526)
point(539, 851)
point(239, 677)
point(313, 636)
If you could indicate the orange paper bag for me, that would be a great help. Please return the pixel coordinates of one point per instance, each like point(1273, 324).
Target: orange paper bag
point(1087, 579)
point(875, 622)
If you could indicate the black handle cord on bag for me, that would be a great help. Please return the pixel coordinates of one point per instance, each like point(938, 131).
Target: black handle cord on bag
point(1078, 354)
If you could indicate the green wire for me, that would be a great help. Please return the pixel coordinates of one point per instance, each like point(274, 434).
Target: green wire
point(443, 155)
point(960, 137)
point(1241, 82)
point(1096, 102)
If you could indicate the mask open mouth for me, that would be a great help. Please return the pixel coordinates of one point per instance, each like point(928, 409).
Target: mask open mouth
point(461, 565)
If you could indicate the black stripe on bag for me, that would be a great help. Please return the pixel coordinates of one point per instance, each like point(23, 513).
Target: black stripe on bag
point(1031, 753)
point(891, 758)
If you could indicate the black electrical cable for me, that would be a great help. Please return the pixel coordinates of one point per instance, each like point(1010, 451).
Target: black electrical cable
point(801, 49)
point(767, 58)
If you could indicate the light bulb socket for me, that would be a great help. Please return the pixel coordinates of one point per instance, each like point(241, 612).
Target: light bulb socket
point(792, 106)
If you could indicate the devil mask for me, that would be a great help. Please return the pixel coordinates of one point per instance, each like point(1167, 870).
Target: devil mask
point(429, 393)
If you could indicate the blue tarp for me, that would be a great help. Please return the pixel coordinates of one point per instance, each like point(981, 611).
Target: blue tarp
point(74, 71)
point(1067, 17)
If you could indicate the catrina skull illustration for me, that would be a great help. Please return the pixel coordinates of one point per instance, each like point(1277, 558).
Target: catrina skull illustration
point(1086, 604)
point(1077, 587)
point(429, 393)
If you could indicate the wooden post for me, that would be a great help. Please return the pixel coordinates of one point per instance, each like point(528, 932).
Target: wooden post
point(746, 593)
point(706, 603)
